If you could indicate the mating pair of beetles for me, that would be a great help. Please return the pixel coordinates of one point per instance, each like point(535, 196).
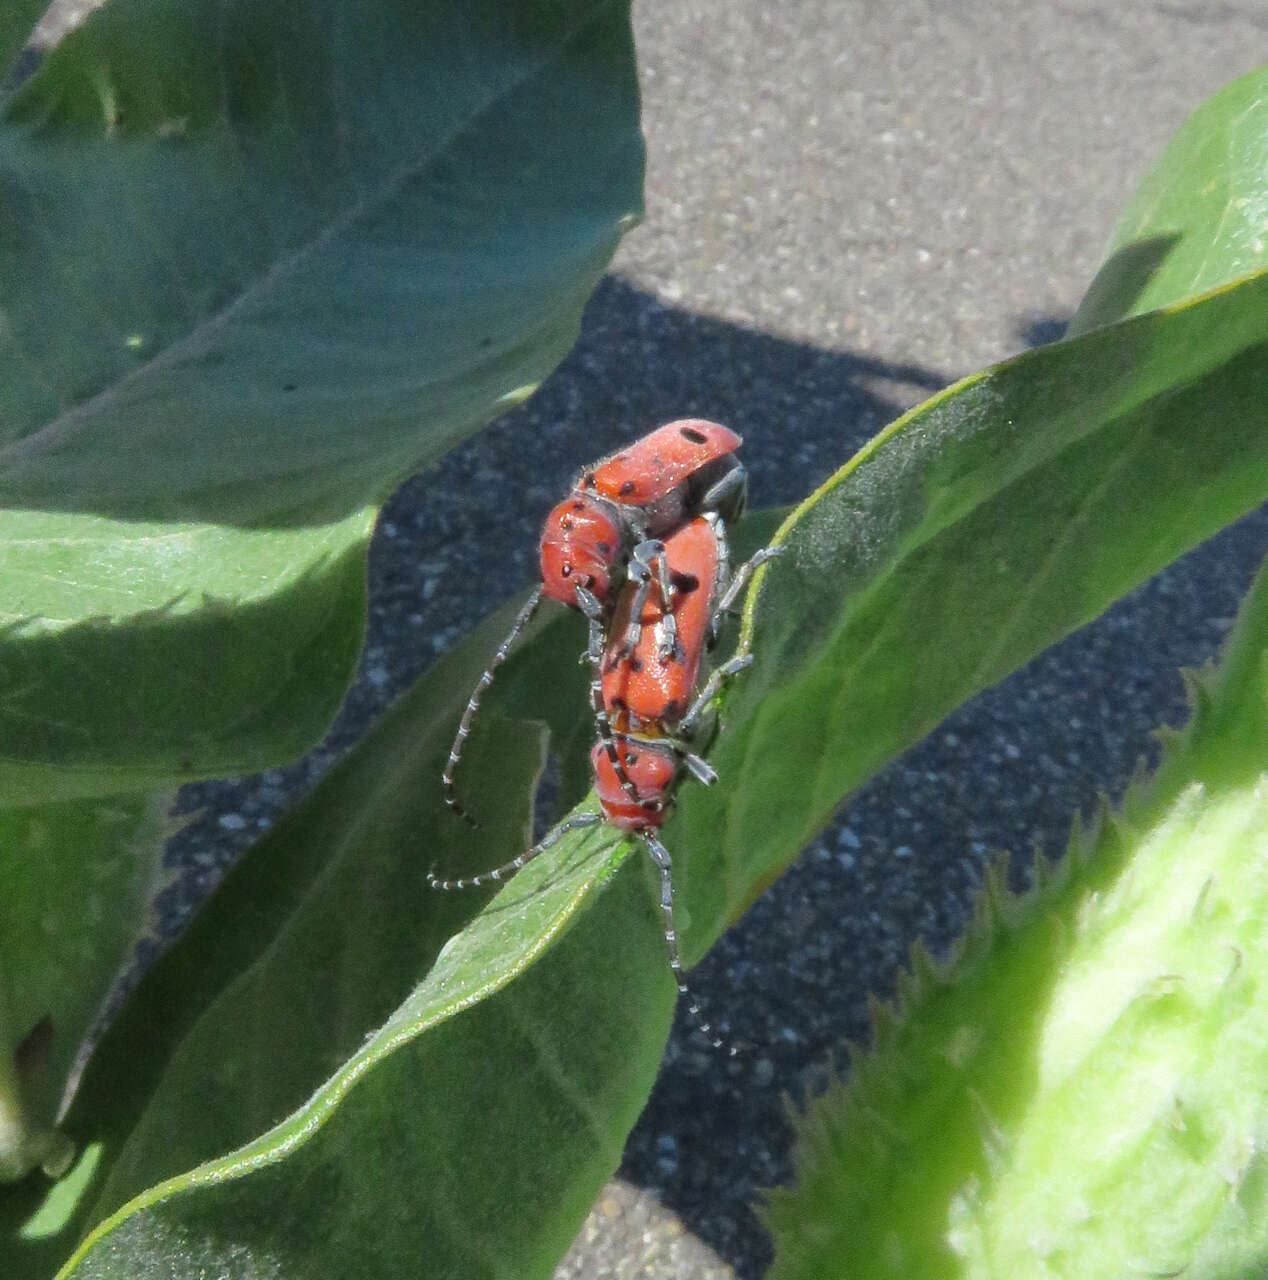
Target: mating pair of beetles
point(639, 547)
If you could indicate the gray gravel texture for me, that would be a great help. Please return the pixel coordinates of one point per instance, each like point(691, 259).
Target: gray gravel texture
point(848, 206)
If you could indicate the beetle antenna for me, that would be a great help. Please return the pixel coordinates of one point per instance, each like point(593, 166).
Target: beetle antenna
point(508, 869)
point(664, 864)
point(522, 620)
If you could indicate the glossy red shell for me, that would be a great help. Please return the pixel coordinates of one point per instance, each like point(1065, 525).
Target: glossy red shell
point(650, 768)
point(644, 690)
point(654, 466)
point(581, 542)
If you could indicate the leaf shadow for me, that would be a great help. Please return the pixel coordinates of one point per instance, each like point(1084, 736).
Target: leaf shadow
point(1122, 279)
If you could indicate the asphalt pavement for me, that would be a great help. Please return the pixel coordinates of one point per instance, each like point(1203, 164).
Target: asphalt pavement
point(849, 205)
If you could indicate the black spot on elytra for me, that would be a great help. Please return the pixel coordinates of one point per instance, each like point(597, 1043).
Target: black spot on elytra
point(566, 524)
point(603, 548)
point(627, 488)
point(636, 664)
point(690, 433)
point(578, 505)
point(672, 710)
point(685, 583)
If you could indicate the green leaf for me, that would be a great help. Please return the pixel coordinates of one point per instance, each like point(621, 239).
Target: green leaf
point(1083, 1094)
point(63, 937)
point(1198, 219)
point(341, 238)
point(967, 537)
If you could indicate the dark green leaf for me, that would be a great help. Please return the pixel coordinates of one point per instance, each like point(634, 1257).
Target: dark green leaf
point(259, 263)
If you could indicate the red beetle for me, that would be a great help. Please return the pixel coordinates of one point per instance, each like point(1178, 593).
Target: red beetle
point(608, 531)
point(649, 682)
point(645, 491)
point(647, 687)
